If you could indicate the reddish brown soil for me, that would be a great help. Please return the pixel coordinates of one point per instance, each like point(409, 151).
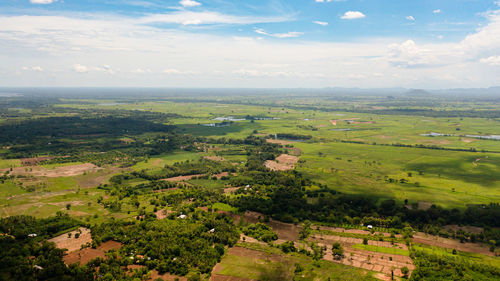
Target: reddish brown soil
point(83, 256)
point(34, 161)
point(168, 277)
point(334, 122)
point(183, 178)
point(282, 142)
point(110, 245)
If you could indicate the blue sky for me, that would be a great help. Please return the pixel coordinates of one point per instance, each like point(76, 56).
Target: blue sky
point(221, 43)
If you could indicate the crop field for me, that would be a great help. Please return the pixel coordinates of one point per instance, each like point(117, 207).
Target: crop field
point(174, 183)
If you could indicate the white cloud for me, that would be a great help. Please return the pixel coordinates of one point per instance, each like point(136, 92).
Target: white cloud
point(189, 3)
point(173, 71)
point(226, 61)
point(42, 1)
point(141, 71)
point(197, 18)
point(351, 15)
point(80, 68)
point(290, 34)
point(410, 18)
point(105, 68)
point(493, 60)
point(323, 23)
point(36, 68)
point(437, 11)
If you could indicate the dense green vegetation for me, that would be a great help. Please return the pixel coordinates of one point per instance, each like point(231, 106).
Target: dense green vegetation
point(362, 160)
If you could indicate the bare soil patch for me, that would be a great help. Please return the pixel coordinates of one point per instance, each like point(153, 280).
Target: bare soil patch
point(64, 171)
point(334, 122)
point(282, 163)
point(470, 229)
point(215, 158)
point(230, 189)
point(468, 140)
point(85, 255)
point(34, 161)
point(220, 277)
point(167, 277)
point(183, 178)
point(110, 245)
point(295, 151)
point(161, 214)
point(71, 243)
point(422, 205)
point(432, 240)
point(282, 142)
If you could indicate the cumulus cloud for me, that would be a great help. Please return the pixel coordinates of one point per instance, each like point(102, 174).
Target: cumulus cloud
point(189, 3)
point(141, 71)
point(198, 18)
point(173, 71)
point(323, 23)
point(80, 68)
point(55, 41)
point(290, 34)
point(42, 1)
point(36, 68)
point(408, 54)
point(437, 11)
point(410, 18)
point(105, 68)
point(493, 60)
point(351, 15)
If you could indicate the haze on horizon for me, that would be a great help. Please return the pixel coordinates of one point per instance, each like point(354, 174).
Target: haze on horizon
point(276, 44)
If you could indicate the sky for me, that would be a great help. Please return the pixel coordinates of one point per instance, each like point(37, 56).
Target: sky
point(428, 44)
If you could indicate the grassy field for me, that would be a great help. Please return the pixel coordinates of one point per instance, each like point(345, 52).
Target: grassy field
point(380, 249)
point(450, 179)
point(258, 267)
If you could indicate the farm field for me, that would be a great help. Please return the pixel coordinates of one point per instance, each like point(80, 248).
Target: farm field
point(252, 188)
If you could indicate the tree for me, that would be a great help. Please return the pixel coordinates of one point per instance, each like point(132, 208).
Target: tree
point(405, 271)
point(306, 230)
point(337, 251)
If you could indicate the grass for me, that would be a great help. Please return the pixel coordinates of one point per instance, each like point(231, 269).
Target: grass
point(155, 164)
point(256, 268)
point(442, 177)
point(380, 249)
point(471, 257)
point(224, 207)
point(9, 163)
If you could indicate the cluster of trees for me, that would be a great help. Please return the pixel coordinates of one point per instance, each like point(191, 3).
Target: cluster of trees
point(435, 267)
point(177, 246)
point(29, 257)
point(283, 196)
point(260, 232)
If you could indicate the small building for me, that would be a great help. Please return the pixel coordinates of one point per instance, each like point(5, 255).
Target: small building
point(182, 216)
point(32, 235)
point(369, 226)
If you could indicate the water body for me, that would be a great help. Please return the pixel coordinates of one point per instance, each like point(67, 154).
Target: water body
point(229, 118)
